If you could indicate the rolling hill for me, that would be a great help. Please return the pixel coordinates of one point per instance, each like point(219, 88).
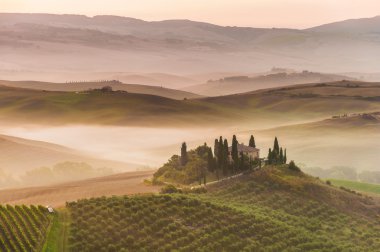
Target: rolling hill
point(23, 162)
point(66, 45)
point(116, 85)
point(270, 209)
point(332, 143)
point(58, 194)
point(360, 26)
point(243, 84)
point(357, 186)
point(264, 107)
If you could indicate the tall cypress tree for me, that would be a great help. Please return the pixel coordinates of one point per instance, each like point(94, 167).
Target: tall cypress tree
point(210, 161)
point(270, 156)
point(285, 158)
point(216, 148)
point(276, 146)
point(234, 151)
point(281, 161)
point(221, 156)
point(216, 157)
point(225, 155)
point(184, 154)
point(252, 142)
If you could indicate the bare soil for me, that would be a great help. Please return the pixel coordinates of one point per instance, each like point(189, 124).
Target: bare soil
point(58, 195)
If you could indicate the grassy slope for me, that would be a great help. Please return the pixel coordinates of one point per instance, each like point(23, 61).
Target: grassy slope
point(240, 85)
point(94, 107)
point(357, 186)
point(267, 106)
point(20, 155)
point(83, 86)
point(270, 210)
point(315, 143)
point(57, 237)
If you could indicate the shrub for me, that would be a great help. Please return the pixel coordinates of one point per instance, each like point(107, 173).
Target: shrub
point(292, 166)
point(170, 189)
point(106, 89)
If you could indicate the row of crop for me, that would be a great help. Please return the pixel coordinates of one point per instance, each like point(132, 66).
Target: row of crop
point(157, 223)
point(22, 228)
point(294, 210)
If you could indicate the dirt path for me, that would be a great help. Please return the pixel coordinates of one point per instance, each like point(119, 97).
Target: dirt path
point(58, 195)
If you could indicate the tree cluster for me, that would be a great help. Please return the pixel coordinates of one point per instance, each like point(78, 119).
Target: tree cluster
point(277, 155)
point(229, 163)
point(203, 162)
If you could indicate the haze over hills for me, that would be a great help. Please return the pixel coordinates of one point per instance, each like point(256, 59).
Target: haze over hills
point(46, 43)
point(58, 194)
point(345, 141)
point(21, 160)
point(242, 84)
point(115, 85)
point(270, 106)
point(363, 26)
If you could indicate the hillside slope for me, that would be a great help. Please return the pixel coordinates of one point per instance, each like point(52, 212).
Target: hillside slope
point(84, 86)
point(19, 156)
point(359, 26)
point(333, 142)
point(270, 210)
point(70, 44)
point(264, 107)
point(243, 84)
point(58, 194)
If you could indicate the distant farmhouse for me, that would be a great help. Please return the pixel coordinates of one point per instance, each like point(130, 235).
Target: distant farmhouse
point(252, 152)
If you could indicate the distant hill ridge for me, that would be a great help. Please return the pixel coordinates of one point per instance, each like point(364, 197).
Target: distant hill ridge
point(285, 104)
point(242, 84)
point(74, 43)
point(115, 85)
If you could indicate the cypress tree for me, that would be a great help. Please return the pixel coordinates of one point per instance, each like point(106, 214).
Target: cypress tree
point(285, 158)
point(270, 156)
point(225, 155)
point(276, 146)
point(216, 148)
point(281, 161)
point(234, 151)
point(210, 161)
point(252, 142)
point(221, 156)
point(183, 154)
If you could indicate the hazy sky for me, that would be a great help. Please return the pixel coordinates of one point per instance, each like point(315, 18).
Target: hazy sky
point(257, 13)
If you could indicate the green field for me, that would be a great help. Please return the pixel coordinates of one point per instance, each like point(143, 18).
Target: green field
point(122, 108)
point(57, 238)
point(273, 209)
point(23, 228)
point(357, 186)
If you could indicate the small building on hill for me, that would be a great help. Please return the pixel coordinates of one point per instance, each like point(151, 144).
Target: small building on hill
point(252, 152)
